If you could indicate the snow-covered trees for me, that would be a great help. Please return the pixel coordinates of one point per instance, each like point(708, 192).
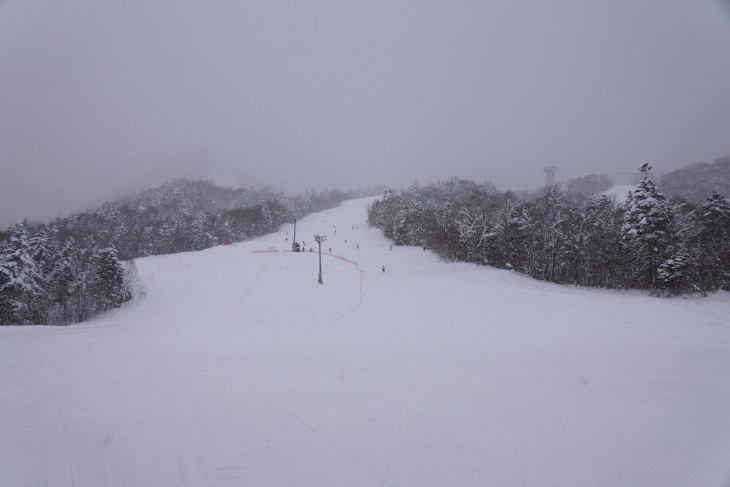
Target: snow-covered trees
point(66, 271)
point(20, 280)
point(646, 234)
point(476, 233)
point(714, 234)
point(696, 181)
point(62, 281)
point(266, 217)
point(181, 216)
point(108, 279)
point(38, 286)
point(648, 242)
point(602, 258)
point(551, 215)
point(201, 239)
point(400, 226)
point(409, 224)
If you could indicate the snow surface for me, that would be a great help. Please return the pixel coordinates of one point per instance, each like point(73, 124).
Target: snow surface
point(620, 192)
point(237, 369)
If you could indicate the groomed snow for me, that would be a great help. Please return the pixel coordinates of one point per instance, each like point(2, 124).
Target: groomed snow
point(238, 369)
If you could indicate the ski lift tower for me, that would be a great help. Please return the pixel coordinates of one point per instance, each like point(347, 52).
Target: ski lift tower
point(319, 239)
point(294, 240)
point(550, 172)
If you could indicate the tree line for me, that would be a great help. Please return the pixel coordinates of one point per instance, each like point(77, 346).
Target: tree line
point(45, 281)
point(68, 269)
point(650, 242)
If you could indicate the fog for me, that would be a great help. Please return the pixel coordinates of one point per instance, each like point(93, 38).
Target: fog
point(100, 97)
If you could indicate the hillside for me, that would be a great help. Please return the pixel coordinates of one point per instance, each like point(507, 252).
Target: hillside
point(696, 182)
point(237, 368)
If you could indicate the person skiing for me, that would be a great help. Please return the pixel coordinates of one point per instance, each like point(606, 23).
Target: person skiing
point(383, 268)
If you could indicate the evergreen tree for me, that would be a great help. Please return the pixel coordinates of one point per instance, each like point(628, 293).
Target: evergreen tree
point(506, 206)
point(266, 217)
point(40, 305)
point(603, 261)
point(62, 282)
point(714, 217)
point(551, 216)
point(476, 234)
point(522, 251)
point(19, 278)
point(200, 236)
point(646, 233)
point(146, 245)
point(167, 241)
point(84, 279)
point(108, 279)
point(416, 220)
point(675, 274)
point(400, 226)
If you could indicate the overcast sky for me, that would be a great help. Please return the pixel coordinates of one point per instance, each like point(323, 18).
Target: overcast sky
point(95, 94)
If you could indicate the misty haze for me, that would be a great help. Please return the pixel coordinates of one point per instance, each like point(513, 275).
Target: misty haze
point(95, 97)
point(382, 243)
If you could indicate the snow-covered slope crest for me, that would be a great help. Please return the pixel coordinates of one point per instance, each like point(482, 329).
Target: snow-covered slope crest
point(620, 192)
point(237, 368)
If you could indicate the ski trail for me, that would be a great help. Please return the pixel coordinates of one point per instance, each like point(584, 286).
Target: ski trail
point(240, 369)
point(314, 431)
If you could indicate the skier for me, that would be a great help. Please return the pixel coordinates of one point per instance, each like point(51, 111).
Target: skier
point(383, 268)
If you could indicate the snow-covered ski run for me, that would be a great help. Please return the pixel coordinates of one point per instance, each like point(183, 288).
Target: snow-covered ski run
point(238, 369)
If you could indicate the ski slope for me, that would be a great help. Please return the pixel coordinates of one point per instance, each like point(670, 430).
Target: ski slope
point(620, 192)
point(238, 369)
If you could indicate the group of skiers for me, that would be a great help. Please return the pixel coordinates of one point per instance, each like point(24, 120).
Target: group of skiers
point(303, 246)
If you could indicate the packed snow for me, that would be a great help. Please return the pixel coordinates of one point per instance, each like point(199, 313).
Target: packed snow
point(237, 368)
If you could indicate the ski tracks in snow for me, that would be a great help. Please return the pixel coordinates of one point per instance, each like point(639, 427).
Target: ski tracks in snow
point(239, 369)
